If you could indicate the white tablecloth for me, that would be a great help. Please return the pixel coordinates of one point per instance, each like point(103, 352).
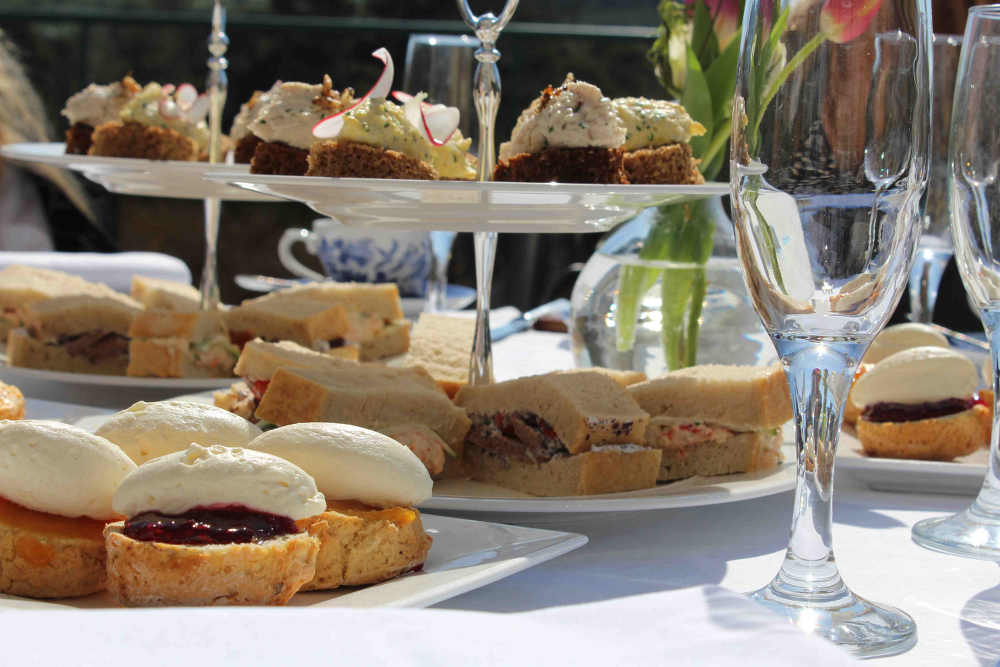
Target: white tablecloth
point(658, 566)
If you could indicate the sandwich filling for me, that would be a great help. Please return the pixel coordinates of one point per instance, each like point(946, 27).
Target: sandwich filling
point(95, 346)
point(521, 436)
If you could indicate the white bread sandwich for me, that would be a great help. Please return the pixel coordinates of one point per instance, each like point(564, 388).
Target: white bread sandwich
point(403, 401)
point(371, 530)
point(146, 431)
point(56, 485)
point(256, 365)
point(373, 314)
point(559, 434)
point(213, 526)
point(156, 293)
point(715, 419)
point(313, 323)
point(178, 344)
point(21, 286)
point(442, 344)
point(80, 334)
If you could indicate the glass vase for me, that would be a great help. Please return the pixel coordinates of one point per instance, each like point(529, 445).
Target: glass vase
point(645, 302)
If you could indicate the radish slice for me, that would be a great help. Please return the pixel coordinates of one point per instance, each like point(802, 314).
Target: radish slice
point(186, 96)
point(167, 88)
point(440, 123)
point(168, 109)
point(330, 127)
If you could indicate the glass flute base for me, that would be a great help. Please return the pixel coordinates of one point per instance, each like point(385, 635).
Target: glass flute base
point(973, 533)
point(862, 628)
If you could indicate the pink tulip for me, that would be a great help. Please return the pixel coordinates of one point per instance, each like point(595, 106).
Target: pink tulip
point(843, 20)
point(727, 18)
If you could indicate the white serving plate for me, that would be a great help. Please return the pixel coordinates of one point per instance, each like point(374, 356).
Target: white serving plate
point(468, 206)
point(466, 555)
point(962, 476)
point(15, 374)
point(468, 496)
point(132, 176)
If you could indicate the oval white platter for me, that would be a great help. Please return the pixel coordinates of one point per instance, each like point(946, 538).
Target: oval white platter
point(468, 496)
point(132, 176)
point(468, 206)
point(15, 374)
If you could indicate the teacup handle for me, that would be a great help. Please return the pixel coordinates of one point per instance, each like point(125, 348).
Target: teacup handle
point(289, 239)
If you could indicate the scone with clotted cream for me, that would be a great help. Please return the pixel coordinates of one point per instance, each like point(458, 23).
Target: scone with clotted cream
point(56, 485)
point(921, 403)
point(146, 431)
point(370, 531)
point(213, 526)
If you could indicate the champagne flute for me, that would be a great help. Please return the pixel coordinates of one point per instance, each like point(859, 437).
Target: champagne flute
point(829, 165)
point(974, 157)
point(934, 248)
point(442, 67)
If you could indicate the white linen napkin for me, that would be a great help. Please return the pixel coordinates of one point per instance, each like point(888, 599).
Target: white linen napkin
point(113, 269)
point(695, 626)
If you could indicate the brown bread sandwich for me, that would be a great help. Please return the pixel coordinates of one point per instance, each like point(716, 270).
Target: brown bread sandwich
point(715, 419)
point(560, 434)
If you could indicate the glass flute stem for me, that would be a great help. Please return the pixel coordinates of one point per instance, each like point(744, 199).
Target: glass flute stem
point(481, 364)
point(925, 279)
point(819, 377)
point(210, 272)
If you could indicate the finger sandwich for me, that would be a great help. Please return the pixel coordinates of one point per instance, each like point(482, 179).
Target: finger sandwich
point(715, 419)
point(559, 434)
point(177, 344)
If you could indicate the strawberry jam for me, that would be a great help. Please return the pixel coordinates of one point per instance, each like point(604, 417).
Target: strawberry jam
point(908, 412)
point(230, 524)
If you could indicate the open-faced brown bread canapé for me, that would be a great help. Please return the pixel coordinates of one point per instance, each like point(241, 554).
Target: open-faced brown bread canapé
point(56, 484)
point(715, 419)
point(921, 403)
point(573, 134)
point(213, 526)
point(370, 531)
point(566, 433)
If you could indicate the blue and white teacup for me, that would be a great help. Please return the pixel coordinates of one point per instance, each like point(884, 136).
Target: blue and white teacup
point(362, 254)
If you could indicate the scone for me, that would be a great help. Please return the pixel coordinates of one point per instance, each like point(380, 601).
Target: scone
point(888, 342)
point(921, 404)
point(213, 526)
point(11, 402)
point(56, 484)
point(146, 431)
point(370, 531)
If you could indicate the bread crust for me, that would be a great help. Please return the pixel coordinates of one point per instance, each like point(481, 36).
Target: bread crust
point(359, 547)
point(245, 148)
point(78, 138)
point(602, 470)
point(135, 140)
point(302, 320)
point(27, 352)
point(145, 574)
point(353, 159)
point(43, 564)
point(937, 439)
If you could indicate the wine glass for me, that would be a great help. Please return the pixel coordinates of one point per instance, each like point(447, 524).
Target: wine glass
point(934, 248)
point(829, 165)
point(974, 156)
point(442, 67)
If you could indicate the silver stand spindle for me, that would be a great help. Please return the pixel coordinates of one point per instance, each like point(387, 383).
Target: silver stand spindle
point(217, 84)
point(486, 95)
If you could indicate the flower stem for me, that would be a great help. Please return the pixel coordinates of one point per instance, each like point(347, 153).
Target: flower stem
point(779, 81)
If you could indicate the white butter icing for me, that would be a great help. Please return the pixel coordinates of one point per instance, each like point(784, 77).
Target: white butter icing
point(206, 476)
point(917, 375)
point(59, 469)
point(148, 430)
point(351, 463)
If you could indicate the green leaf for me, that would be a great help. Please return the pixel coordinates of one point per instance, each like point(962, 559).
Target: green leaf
point(697, 99)
point(703, 39)
point(721, 80)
